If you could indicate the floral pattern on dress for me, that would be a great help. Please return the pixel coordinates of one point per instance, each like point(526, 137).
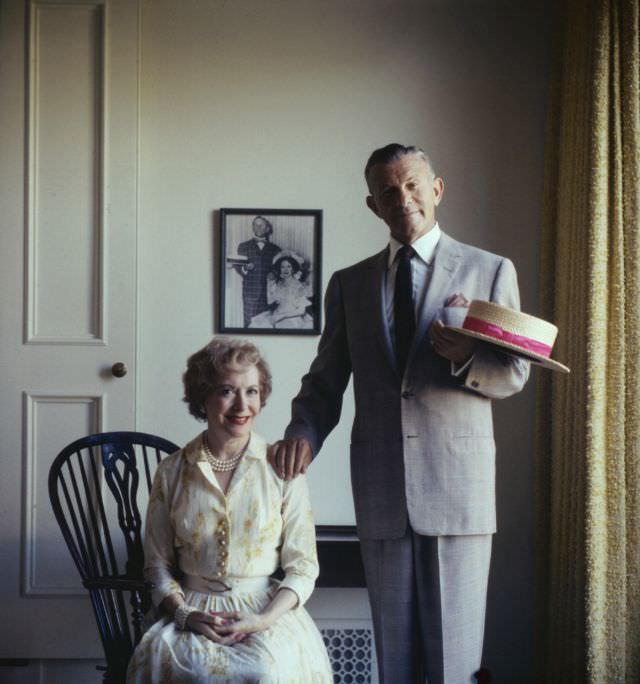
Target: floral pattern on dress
point(269, 523)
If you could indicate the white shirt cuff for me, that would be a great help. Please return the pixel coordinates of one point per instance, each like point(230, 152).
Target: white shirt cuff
point(457, 370)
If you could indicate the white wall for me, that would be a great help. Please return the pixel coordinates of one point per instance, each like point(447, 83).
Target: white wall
point(247, 103)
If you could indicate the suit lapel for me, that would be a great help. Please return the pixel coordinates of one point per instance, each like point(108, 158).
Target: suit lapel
point(378, 299)
point(445, 264)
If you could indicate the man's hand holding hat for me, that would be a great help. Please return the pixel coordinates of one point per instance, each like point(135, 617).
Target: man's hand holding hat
point(448, 343)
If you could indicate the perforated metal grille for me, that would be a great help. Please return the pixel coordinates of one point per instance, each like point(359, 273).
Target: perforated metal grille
point(350, 653)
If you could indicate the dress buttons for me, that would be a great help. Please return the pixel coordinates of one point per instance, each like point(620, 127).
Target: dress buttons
point(223, 551)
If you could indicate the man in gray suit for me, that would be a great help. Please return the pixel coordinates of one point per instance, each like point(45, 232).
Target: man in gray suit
point(422, 448)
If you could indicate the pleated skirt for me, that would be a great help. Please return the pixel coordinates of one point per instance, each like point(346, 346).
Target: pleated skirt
point(291, 651)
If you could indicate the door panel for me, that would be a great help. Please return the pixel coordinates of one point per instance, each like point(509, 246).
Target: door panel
point(66, 153)
point(68, 203)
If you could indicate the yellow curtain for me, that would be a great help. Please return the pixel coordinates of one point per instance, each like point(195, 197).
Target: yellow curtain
point(588, 452)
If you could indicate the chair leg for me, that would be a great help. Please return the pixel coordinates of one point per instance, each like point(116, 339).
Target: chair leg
point(113, 675)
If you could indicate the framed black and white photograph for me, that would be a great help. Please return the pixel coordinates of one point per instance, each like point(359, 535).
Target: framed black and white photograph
point(270, 271)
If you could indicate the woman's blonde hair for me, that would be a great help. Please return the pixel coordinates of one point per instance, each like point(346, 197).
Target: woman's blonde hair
point(207, 366)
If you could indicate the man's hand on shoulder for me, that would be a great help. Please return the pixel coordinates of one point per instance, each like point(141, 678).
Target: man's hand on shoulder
point(290, 457)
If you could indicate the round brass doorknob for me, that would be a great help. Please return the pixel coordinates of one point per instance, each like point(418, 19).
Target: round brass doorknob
point(119, 370)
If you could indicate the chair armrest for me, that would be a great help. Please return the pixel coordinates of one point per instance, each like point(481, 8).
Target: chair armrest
point(123, 583)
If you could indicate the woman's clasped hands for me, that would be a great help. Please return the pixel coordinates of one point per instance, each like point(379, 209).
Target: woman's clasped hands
point(226, 628)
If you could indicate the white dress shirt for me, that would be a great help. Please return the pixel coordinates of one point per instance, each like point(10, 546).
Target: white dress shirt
point(425, 247)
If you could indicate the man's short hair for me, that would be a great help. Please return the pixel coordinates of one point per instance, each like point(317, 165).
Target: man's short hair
point(392, 152)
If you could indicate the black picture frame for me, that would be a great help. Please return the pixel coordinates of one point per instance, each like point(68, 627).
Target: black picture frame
point(270, 271)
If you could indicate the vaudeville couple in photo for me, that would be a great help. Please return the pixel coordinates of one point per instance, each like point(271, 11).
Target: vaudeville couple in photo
point(276, 283)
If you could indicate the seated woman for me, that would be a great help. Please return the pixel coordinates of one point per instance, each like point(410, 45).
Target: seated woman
point(219, 523)
point(288, 292)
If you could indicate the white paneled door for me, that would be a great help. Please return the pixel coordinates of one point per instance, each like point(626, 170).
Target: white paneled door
point(68, 222)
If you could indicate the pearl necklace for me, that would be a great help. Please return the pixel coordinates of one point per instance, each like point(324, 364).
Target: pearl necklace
point(217, 464)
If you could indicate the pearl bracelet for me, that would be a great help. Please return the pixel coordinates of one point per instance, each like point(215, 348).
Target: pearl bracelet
point(182, 613)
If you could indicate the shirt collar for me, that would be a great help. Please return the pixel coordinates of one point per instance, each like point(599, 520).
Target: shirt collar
point(425, 245)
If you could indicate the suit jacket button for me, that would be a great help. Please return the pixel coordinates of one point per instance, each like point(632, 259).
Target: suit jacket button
point(475, 383)
point(407, 395)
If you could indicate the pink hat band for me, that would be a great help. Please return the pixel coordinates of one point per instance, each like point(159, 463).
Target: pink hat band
point(498, 333)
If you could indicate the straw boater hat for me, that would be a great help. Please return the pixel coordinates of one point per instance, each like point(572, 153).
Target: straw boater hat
point(516, 332)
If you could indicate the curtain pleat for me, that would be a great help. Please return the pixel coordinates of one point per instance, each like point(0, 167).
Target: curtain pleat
point(588, 466)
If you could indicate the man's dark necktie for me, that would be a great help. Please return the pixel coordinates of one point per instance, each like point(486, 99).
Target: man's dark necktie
point(403, 307)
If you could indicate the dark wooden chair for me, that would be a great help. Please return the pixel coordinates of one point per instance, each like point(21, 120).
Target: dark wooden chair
point(96, 493)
